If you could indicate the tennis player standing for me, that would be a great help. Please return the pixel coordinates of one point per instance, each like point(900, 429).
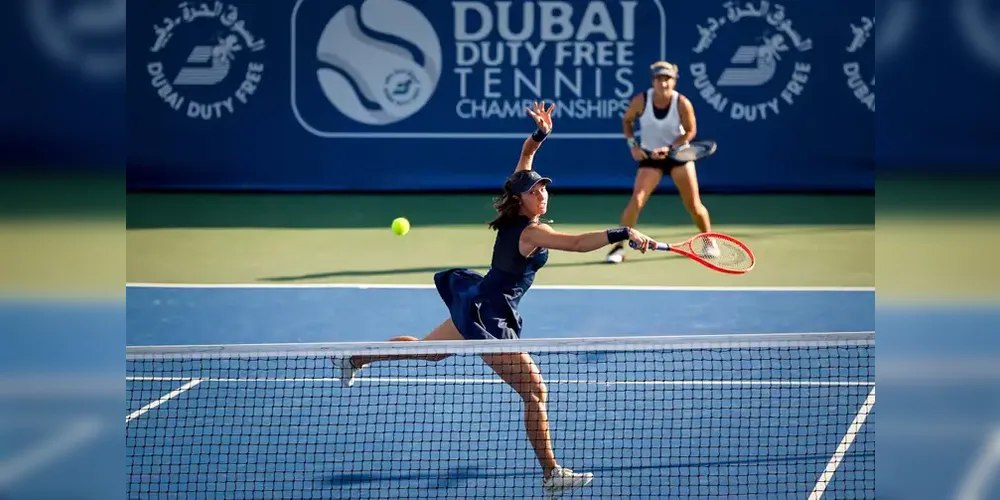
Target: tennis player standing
point(666, 120)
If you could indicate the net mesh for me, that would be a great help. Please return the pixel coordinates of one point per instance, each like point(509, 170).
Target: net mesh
point(653, 417)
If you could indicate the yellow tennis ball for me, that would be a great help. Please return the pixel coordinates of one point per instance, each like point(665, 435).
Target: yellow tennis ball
point(400, 226)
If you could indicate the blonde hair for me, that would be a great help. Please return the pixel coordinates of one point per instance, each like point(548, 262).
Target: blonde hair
point(666, 65)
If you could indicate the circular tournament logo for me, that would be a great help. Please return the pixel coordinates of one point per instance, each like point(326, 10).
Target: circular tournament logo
point(860, 78)
point(205, 60)
point(752, 61)
point(380, 65)
point(979, 25)
point(897, 29)
point(401, 87)
point(85, 36)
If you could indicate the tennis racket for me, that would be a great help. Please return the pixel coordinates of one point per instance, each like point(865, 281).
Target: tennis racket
point(692, 151)
point(716, 251)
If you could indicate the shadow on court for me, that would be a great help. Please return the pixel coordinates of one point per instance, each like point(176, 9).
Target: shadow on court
point(433, 269)
point(607, 477)
point(597, 261)
point(448, 476)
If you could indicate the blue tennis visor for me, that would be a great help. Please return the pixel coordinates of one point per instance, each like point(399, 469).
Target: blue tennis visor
point(523, 181)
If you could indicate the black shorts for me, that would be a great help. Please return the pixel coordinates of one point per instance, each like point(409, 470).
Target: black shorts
point(665, 164)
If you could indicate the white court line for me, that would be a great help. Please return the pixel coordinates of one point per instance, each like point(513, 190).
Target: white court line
point(620, 288)
point(845, 444)
point(56, 446)
point(166, 397)
point(496, 380)
point(974, 487)
point(66, 385)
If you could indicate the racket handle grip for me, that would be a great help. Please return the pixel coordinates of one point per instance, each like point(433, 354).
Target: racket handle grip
point(652, 246)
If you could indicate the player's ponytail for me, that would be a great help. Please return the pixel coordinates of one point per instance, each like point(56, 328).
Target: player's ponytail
point(508, 207)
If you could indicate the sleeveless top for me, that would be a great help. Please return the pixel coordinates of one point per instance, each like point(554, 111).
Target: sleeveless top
point(658, 132)
point(485, 307)
point(511, 274)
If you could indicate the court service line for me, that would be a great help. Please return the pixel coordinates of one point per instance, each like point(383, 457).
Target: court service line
point(58, 445)
point(613, 288)
point(497, 380)
point(166, 397)
point(843, 447)
point(987, 464)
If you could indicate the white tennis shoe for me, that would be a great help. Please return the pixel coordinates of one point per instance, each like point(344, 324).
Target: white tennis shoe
point(345, 370)
point(616, 255)
point(563, 480)
point(710, 248)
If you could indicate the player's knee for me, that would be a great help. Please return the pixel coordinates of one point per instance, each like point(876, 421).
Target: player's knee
point(639, 198)
point(695, 207)
point(536, 393)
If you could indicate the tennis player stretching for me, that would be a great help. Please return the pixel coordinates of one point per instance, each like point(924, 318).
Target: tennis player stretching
point(666, 120)
point(486, 307)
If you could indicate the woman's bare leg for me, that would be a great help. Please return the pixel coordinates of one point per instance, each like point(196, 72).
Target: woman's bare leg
point(646, 181)
point(521, 373)
point(444, 331)
point(686, 179)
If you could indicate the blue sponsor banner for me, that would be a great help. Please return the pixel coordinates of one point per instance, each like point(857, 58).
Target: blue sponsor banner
point(63, 86)
point(395, 70)
point(942, 60)
point(427, 94)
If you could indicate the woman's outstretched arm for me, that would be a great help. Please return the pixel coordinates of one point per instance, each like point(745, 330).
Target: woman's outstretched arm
point(543, 118)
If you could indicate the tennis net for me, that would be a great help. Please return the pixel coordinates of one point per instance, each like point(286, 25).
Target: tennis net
point(729, 416)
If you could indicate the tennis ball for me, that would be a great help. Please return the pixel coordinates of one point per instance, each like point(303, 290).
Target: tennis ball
point(400, 226)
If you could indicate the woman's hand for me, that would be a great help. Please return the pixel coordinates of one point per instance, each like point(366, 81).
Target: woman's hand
point(661, 153)
point(641, 241)
point(542, 116)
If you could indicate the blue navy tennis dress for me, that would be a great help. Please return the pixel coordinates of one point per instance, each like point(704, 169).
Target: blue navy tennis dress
point(485, 307)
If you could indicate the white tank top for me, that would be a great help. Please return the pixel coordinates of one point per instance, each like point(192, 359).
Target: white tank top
point(655, 133)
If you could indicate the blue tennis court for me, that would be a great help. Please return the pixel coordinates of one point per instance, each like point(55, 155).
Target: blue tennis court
point(60, 395)
point(649, 424)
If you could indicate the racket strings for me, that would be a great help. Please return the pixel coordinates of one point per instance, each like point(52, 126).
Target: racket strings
point(723, 253)
point(694, 151)
point(689, 153)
